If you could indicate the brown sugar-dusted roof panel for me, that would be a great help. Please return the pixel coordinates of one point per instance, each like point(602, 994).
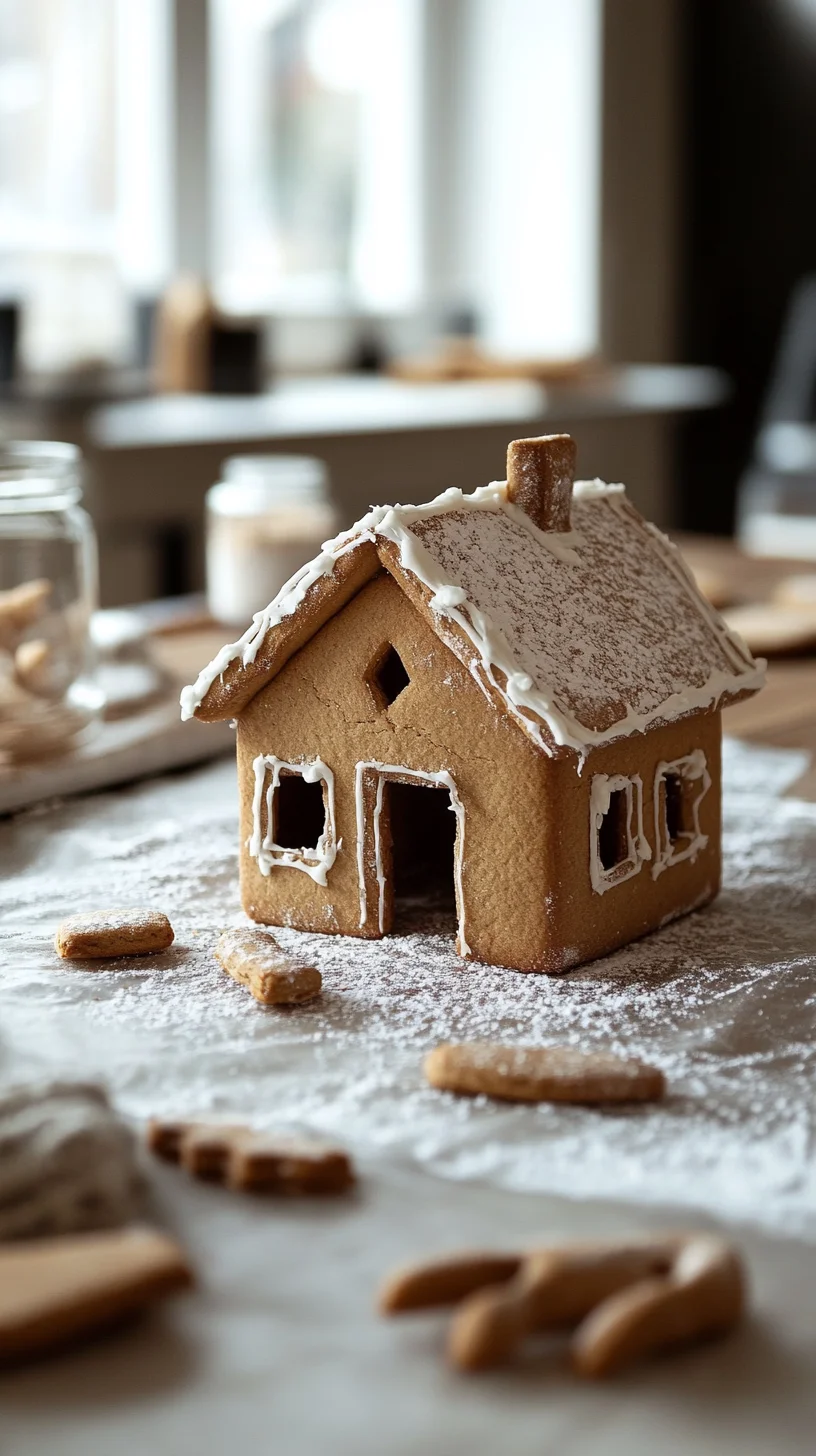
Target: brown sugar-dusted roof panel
point(582, 636)
point(615, 637)
point(251, 663)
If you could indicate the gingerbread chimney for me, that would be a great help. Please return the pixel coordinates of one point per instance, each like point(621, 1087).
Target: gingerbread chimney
point(540, 473)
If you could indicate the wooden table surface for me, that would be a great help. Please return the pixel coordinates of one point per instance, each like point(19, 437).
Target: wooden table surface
point(783, 715)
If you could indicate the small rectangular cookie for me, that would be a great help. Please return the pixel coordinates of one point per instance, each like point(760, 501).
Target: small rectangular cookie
point(277, 1163)
point(254, 959)
point(541, 1074)
point(104, 934)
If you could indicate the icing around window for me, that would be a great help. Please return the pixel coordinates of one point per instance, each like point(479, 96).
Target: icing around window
point(679, 790)
point(372, 776)
point(315, 860)
point(617, 845)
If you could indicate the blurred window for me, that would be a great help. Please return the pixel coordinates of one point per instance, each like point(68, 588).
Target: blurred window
point(316, 107)
point(83, 128)
point(411, 157)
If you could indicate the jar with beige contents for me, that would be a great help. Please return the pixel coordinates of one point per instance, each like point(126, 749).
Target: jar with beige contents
point(47, 593)
point(266, 517)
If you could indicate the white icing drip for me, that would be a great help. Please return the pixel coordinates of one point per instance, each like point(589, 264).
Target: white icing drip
point(315, 862)
point(447, 596)
point(693, 768)
point(284, 605)
point(638, 849)
point(536, 707)
point(380, 772)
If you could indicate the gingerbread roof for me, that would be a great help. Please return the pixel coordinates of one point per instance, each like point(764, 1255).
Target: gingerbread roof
point(583, 636)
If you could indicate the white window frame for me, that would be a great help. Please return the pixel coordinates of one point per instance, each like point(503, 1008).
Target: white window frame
point(692, 769)
point(314, 860)
point(638, 849)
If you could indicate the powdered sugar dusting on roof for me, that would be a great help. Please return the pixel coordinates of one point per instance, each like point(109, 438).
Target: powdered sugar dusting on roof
point(585, 636)
point(613, 640)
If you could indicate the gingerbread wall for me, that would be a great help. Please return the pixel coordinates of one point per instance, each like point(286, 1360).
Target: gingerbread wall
point(525, 890)
point(588, 924)
point(321, 705)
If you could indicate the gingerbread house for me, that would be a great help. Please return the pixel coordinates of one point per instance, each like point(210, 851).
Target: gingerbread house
point(515, 693)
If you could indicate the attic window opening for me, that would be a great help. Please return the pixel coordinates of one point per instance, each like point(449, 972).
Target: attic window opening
point(613, 832)
point(299, 812)
point(390, 677)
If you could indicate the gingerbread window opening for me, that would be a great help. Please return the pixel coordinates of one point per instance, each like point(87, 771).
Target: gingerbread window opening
point(613, 832)
point(618, 846)
point(679, 790)
point(299, 813)
point(295, 801)
point(390, 677)
point(677, 808)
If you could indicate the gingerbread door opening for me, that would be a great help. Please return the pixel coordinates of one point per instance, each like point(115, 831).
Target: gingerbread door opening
point(410, 851)
point(422, 831)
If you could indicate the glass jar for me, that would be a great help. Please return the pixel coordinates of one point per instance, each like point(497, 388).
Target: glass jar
point(267, 516)
point(47, 594)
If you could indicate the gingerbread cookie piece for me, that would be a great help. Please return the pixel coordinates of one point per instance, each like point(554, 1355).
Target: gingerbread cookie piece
point(624, 1299)
point(53, 1291)
point(713, 586)
point(774, 629)
point(254, 959)
point(104, 934)
point(798, 590)
point(21, 606)
point(445, 1281)
point(33, 665)
point(253, 1162)
point(541, 1074)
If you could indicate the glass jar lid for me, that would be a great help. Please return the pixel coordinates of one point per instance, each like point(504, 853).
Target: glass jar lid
point(38, 474)
point(255, 483)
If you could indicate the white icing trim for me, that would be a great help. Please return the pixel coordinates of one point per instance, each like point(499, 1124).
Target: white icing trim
point(381, 772)
point(595, 489)
point(315, 862)
point(638, 849)
point(694, 770)
point(530, 704)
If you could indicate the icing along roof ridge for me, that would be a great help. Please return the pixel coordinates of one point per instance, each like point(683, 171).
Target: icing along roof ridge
point(582, 636)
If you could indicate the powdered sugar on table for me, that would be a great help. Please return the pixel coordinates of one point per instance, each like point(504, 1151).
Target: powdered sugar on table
point(723, 1001)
